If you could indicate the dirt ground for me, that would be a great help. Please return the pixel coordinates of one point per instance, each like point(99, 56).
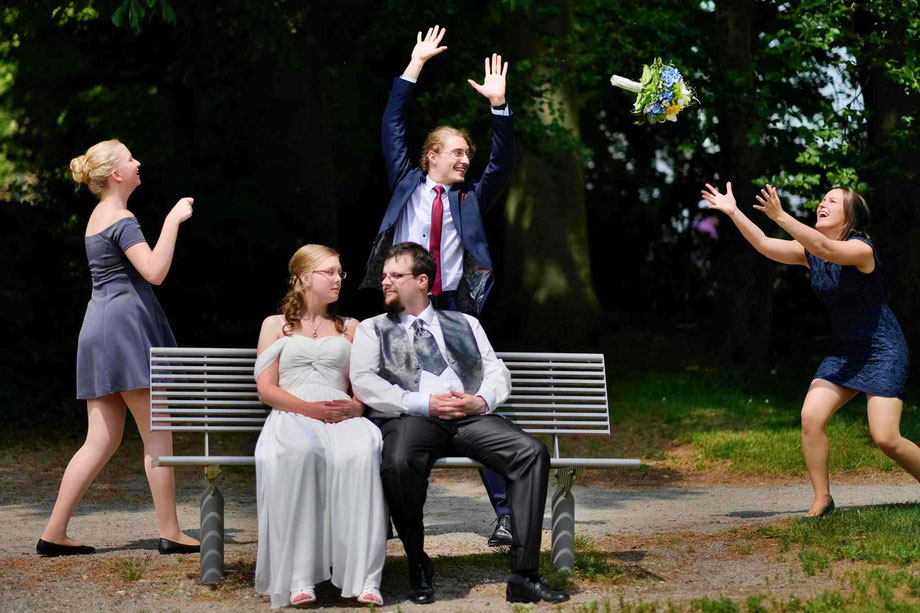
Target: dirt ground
point(672, 537)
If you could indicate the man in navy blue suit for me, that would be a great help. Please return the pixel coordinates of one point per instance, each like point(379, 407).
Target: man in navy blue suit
point(435, 206)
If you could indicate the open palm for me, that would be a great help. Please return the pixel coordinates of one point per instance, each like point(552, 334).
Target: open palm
point(721, 202)
point(428, 47)
point(493, 85)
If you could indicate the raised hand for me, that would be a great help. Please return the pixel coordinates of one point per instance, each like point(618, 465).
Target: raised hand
point(769, 202)
point(493, 85)
point(428, 47)
point(182, 210)
point(721, 202)
point(425, 48)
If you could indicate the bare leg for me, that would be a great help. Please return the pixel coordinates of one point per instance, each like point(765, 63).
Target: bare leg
point(162, 480)
point(885, 426)
point(106, 423)
point(821, 402)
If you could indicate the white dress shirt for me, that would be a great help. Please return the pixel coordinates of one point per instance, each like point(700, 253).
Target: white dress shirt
point(380, 394)
point(414, 225)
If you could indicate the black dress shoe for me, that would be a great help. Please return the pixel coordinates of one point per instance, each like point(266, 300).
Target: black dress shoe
point(530, 588)
point(421, 588)
point(168, 547)
point(53, 550)
point(502, 534)
point(830, 508)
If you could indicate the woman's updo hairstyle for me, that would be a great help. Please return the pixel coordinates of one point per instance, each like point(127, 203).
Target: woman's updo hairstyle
point(294, 304)
point(94, 167)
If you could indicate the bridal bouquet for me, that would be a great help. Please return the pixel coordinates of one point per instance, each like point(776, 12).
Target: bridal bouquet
point(661, 93)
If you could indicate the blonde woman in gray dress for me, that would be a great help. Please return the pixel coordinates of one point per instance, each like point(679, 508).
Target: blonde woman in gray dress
point(123, 320)
point(319, 494)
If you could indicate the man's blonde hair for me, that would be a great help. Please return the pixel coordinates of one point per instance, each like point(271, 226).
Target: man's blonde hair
point(436, 139)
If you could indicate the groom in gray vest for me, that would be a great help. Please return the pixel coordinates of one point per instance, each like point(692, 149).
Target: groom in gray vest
point(433, 382)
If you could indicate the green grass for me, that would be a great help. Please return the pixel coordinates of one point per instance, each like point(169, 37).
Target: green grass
point(867, 591)
point(887, 534)
point(131, 569)
point(730, 418)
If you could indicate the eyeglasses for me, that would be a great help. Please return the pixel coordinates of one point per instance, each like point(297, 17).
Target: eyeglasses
point(332, 273)
point(396, 276)
point(458, 154)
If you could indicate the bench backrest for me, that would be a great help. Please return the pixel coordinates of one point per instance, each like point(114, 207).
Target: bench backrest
point(199, 389)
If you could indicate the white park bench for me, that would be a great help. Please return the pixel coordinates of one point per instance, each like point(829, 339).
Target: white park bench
point(212, 390)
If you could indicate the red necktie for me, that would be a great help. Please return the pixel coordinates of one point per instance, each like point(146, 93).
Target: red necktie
point(434, 243)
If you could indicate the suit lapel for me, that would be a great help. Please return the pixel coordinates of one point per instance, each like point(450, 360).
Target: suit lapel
point(454, 197)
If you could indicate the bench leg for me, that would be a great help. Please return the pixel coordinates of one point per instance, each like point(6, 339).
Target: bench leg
point(564, 519)
point(212, 530)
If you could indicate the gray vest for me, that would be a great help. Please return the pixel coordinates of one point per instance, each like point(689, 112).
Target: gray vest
point(400, 366)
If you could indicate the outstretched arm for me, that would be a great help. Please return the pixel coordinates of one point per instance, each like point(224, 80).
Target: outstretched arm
point(503, 155)
point(393, 129)
point(845, 253)
point(778, 250)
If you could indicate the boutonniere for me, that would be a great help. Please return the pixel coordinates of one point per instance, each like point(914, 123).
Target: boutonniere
point(462, 197)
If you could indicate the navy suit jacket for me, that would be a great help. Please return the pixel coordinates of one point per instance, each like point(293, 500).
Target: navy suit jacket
point(468, 201)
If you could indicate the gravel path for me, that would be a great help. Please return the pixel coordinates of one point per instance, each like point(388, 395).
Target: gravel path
point(458, 518)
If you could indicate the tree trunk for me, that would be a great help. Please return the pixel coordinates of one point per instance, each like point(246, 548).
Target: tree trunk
point(546, 267)
point(743, 277)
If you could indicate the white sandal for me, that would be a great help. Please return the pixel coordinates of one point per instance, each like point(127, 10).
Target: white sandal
point(303, 598)
point(371, 595)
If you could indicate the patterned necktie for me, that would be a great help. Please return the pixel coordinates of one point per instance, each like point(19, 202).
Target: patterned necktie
point(426, 348)
point(434, 242)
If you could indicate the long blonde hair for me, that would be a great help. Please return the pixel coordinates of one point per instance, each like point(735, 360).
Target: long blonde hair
point(294, 304)
point(94, 167)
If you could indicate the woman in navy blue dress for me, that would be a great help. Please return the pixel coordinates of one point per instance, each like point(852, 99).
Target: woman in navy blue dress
point(123, 320)
point(868, 352)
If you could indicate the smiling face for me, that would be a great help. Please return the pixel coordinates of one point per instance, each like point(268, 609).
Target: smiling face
point(127, 173)
point(449, 165)
point(831, 214)
point(323, 283)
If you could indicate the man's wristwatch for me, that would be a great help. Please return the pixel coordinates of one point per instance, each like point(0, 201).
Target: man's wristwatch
point(500, 107)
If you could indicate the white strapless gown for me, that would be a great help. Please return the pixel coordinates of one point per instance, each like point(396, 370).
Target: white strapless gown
point(320, 499)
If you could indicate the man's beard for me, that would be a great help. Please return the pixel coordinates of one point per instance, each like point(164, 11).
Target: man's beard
point(393, 308)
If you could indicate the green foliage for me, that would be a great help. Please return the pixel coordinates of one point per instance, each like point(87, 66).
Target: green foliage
point(132, 13)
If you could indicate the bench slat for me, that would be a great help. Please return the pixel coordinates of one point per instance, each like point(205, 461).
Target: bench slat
point(167, 370)
point(215, 403)
point(211, 420)
point(441, 463)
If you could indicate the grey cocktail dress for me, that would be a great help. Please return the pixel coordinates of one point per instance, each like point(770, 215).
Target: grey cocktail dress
point(123, 318)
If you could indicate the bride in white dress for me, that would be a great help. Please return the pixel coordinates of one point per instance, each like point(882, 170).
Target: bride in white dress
point(320, 499)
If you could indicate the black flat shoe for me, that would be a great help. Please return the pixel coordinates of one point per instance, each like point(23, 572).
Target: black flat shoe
point(830, 508)
point(421, 588)
point(532, 590)
point(168, 547)
point(502, 534)
point(53, 550)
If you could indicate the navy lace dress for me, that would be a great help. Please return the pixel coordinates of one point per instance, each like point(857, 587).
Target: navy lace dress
point(868, 351)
